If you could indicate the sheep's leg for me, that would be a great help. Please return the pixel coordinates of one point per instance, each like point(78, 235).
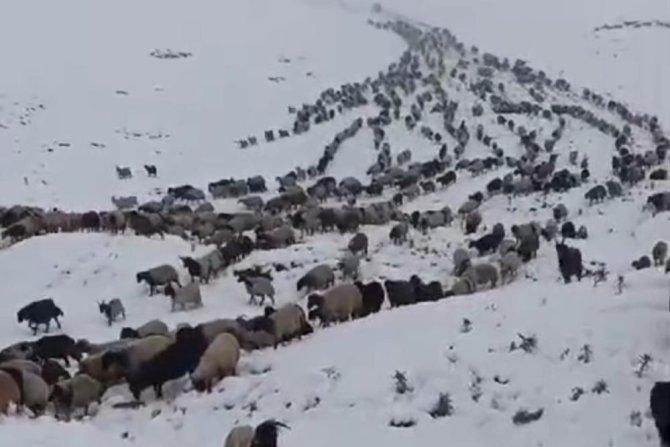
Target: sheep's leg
point(48, 326)
point(158, 389)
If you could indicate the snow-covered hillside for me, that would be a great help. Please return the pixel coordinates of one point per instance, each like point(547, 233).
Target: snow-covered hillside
point(86, 87)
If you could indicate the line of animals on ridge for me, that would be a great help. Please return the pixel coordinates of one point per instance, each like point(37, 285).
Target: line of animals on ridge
point(629, 167)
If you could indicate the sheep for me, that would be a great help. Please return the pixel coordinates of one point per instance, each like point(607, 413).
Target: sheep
point(399, 232)
point(472, 221)
point(659, 402)
point(336, 304)
point(258, 286)
point(128, 359)
point(560, 212)
point(642, 263)
point(151, 170)
point(158, 276)
point(123, 172)
point(112, 310)
point(528, 240)
point(40, 312)
point(183, 296)
point(151, 327)
point(240, 436)
point(9, 391)
point(92, 366)
point(317, 278)
point(277, 238)
point(569, 262)
point(179, 358)
point(254, 203)
point(596, 194)
point(289, 322)
point(461, 260)
point(349, 265)
point(34, 390)
point(124, 203)
point(659, 252)
point(487, 244)
point(218, 361)
point(400, 293)
point(53, 372)
point(56, 346)
point(78, 392)
point(426, 292)
point(358, 243)
point(252, 340)
point(462, 286)
point(373, 297)
point(509, 266)
point(481, 274)
point(23, 365)
point(212, 328)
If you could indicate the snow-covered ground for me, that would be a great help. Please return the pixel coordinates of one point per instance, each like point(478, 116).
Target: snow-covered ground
point(76, 73)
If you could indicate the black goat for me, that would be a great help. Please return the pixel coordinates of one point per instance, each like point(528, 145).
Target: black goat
point(56, 347)
point(40, 312)
point(266, 433)
point(373, 297)
point(569, 262)
point(151, 170)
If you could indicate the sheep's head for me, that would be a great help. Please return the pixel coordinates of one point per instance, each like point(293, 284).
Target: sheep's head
point(314, 301)
point(103, 307)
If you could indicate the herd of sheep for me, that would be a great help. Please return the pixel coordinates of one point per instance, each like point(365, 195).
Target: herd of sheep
point(153, 354)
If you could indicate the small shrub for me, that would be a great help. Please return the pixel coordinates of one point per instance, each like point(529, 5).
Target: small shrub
point(523, 416)
point(402, 385)
point(443, 407)
point(585, 354)
point(635, 419)
point(402, 423)
point(527, 344)
point(643, 364)
point(466, 326)
point(577, 392)
point(475, 387)
point(600, 387)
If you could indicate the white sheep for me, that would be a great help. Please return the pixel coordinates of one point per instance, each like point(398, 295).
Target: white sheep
point(183, 296)
point(218, 361)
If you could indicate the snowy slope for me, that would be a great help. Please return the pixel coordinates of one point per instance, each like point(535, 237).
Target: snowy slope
point(64, 74)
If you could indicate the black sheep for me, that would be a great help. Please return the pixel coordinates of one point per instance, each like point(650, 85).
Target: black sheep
point(53, 372)
point(487, 244)
point(596, 194)
point(568, 230)
point(173, 362)
point(447, 179)
point(658, 174)
point(373, 297)
point(569, 262)
point(659, 402)
point(56, 347)
point(642, 263)
point(40, 312)
point(494, 186)
point(426, 292)
point(400, 293)
point(151, 170)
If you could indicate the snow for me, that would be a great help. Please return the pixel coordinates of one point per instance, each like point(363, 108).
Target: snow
point(336, 386)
